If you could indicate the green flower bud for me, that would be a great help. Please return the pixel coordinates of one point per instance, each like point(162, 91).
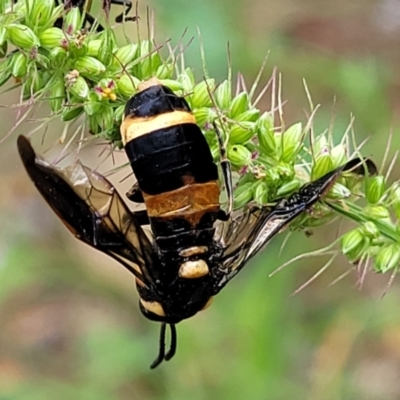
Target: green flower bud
point(223, 95)
point(77, 49)
point(203, 115)
point(370, 230)
point(285, 170)
point(242, 195)
point(260, 192)
point(93, 47)
point(242, 132)
point(239, 105)
point(93, 105)
point(387, 258)
point(5, 64)
point(3, 49)
point(353, 243)
point(165, 72)
point(79, 88)
point(272, 175)
point(322, 165)
point(22, 36)
point(125, 54)
point(5, 71)
point(377, 212)
point(127, 85)
point(201, 96)
point(72, 21)
point(42, 61)
point(41, 12)
point(57, 57)
point(20, 8)
point(288, 188)
point(375, 188)
point(57, 95)
point(246, 178)
point(186, 78)
point(105, 119)
point(252, 115)
point(239, 155)
point(89, 67)
point(57, 13)
point(145, 48)
point(35, 81)
point(291, 142)
point(94, 127)
point(108, 43)
point(19, 65)
point(339, 191)
point(149, 66)
point(172, 84)
point(51, 37)
point(3, 41)
point(339, 156)
point(70, 113)
point(265, 134)
point(320, 144)
point(119, 113)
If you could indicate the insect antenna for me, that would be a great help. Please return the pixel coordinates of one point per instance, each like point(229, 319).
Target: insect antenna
point(161, 348)
point(172, 349)
point(172, 346)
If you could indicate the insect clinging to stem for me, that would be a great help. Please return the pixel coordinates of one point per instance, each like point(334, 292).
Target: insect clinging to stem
point(196, 246)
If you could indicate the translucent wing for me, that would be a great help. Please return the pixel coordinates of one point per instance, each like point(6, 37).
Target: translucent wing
point(250, 232)
point(91, 208)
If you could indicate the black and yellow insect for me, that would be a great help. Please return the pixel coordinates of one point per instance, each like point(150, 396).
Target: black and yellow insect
point(196, 247)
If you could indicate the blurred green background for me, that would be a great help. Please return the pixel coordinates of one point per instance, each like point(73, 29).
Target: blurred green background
point(70, 326)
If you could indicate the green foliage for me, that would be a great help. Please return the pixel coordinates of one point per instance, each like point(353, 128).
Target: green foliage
point(88, 76)
point(255, 341)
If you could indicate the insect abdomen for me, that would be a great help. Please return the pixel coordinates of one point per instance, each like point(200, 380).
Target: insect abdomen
point(171, 158)
point(172, 162)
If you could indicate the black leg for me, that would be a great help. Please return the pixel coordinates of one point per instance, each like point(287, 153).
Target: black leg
point(135, 194)
point(91, 20)
point(227, 174)
point(123, 16)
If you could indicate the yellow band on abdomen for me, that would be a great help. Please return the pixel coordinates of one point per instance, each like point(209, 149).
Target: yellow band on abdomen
point(134, 127)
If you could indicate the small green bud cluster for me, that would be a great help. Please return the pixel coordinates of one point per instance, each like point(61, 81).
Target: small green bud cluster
point(378, 236)
point(86, 74)
point(79, 72)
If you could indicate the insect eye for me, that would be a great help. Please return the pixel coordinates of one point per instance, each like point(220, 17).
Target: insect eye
point(193, 269)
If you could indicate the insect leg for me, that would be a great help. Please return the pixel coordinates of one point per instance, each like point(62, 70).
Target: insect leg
point(227, 174)
point(91, 20)
point(123, 16)
point(135, 194)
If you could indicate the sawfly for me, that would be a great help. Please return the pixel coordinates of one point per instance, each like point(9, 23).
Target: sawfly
point(195, 247)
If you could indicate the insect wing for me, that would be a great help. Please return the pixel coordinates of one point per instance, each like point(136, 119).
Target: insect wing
point(91, 208)
point(253, 229)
